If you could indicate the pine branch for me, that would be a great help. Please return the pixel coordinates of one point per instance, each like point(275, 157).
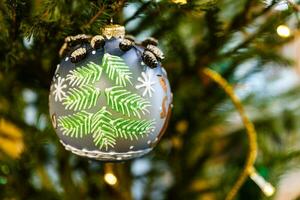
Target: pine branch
point(126, 102)
point(133, 128)
point(116, 69)
point(88, 74)
point(103, 131)
point(93, 19)
point(76, 125)
point(83, 98)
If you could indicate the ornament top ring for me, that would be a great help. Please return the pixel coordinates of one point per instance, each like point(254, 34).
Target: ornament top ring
point(110, 98)
point(113, 30)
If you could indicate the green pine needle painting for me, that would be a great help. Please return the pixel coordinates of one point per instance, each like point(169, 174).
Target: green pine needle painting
point(76, 125)
point(131, 128)
point(101, 125)
point(88, 74)
point(81, 98)
point(103, 129)
point(116, 69)
point(128, 103)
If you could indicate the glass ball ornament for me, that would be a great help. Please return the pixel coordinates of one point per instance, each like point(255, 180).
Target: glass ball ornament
point(110, 98)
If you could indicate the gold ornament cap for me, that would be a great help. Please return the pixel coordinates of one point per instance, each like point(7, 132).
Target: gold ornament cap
point(113, 30)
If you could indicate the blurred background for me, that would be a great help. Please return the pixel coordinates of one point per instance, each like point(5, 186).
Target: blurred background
point(253, 44)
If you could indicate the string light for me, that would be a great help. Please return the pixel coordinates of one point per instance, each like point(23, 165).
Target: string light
point(110, 179)
point(265, 186)
point(283, 31)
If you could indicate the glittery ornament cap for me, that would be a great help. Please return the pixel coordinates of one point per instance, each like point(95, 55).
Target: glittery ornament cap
point(113, 30)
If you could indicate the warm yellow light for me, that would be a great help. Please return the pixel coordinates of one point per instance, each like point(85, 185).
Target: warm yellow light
point(179, 1)
point(110, 178)
point(269, 190)
point(283, 31)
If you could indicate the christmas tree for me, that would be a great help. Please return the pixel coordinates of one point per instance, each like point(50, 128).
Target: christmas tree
point(230, 64)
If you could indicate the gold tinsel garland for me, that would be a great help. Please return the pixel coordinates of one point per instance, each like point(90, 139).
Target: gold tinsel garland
point(249, 169)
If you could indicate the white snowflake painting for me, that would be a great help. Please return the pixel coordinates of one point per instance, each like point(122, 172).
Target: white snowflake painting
point(59, 87)
point(146, 82)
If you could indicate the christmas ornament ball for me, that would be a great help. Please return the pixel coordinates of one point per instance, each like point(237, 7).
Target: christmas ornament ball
point(110, 98)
